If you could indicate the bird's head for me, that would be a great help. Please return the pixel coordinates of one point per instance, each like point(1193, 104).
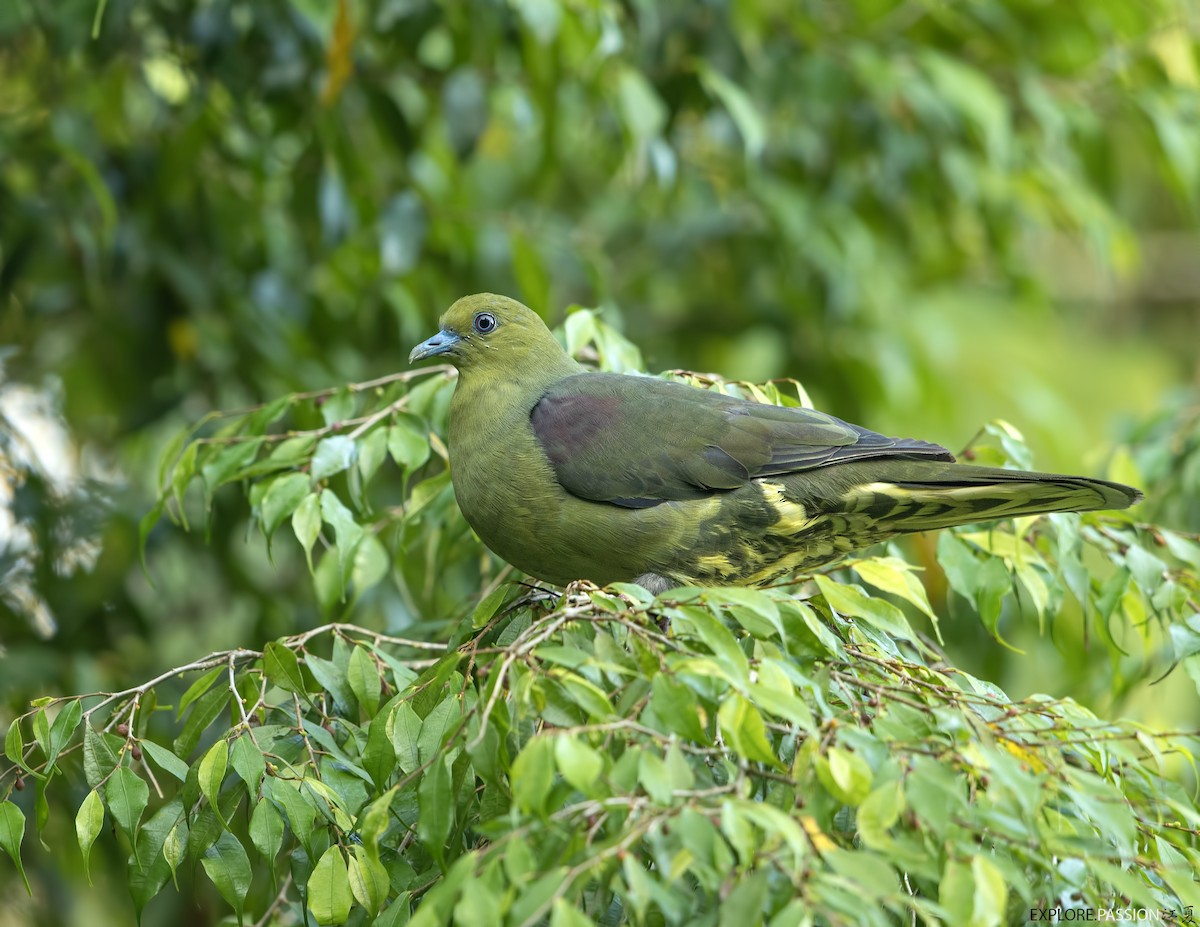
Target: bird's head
point(493, 333)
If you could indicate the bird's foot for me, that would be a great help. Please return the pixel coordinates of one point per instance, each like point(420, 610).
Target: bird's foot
point(654, 583)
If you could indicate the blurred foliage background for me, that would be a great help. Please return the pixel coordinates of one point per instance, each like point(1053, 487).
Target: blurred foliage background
point(932, 213)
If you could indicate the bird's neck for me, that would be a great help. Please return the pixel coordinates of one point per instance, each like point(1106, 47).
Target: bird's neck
point(516, 389)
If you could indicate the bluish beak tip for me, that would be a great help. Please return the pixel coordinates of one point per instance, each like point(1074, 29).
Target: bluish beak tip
point(442, 343)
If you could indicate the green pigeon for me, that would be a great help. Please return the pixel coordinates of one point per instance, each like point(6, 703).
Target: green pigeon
point(570, 474)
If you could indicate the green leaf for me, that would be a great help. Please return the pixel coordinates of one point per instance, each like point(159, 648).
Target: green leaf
point(329, 895)
point(374, 821)
point(12, 832)
point(99, 759)
point(991, 893)
point(435, 803)
point(127, 795)
point(88, 822)
point(363, 677)
point(405, 728)
point(346, 530)
point(333, 455)
point(165, 759)
point(228, 866)
point(41, 726)
point(368, 879)
point(306, 523)
point(225, 464)
point(201, 715)
point(642, 111)
point(564, 914)
point(247, 761)
point(281, 667)
point(379, 755)
point(854, 602)
point(175, 846)
point(895, 576)
point(533, 774)
point(974, 893)
point(281, 500)
point(14, 744)
point(332, 679)
point(579, 764)
point(674, 706)
point(198, 688)
point(655, 778)
point(371, 563)
point(408, 442)
point(741, 109)
point(339, 407)
point(398, 913)
point(148, 868)
point(845, 775)
point(716, 636)
point(300, 813)
point(213, 766)
point(185, 469)
point(745, 731)
point(63, 729)
point(371, 452)
point(486, 609)
point(266, 830)
point(437, 726)
point(878, 812)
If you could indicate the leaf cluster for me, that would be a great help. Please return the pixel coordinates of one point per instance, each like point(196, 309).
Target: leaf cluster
point(794, 755)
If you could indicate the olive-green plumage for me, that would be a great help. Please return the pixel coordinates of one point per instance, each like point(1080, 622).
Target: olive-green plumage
point(571, 474)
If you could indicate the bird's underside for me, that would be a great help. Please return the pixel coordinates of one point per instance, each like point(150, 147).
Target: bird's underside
point(792, 529)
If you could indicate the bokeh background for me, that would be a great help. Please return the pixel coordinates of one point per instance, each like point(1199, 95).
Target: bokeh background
point(932, 213)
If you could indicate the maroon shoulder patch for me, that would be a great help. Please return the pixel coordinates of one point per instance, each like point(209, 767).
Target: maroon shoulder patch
point(566, 425)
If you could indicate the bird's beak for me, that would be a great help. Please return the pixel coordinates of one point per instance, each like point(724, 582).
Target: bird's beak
point(442, 343)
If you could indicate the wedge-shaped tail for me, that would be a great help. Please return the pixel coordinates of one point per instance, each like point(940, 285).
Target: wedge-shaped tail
point(941, 495)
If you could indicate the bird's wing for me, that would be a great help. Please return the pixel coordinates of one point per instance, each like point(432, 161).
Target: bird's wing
point(640, 441)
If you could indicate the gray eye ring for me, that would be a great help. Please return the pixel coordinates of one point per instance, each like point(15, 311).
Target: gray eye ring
point(485, 323)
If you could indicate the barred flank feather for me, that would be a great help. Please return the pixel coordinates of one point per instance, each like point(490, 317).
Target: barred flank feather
point(962, 494)
point(815, 524)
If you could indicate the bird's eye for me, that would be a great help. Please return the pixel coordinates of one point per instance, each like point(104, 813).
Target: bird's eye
point(485, 322)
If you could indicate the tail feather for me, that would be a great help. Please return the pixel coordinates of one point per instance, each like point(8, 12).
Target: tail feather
point(956, 494)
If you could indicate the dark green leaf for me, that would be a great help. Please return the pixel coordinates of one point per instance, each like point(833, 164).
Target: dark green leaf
point(14, 744)
point(266, 830)
point(282, 668)
point(199, 687)
point(165, 759)
point(247, 761)
point(201, 715)
point(282, 497)
point(436, 803)
point(63, 729)
point(227, 865)
point(127, 795)
point(99, 757)
point(227, 461)
point(12, 832)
